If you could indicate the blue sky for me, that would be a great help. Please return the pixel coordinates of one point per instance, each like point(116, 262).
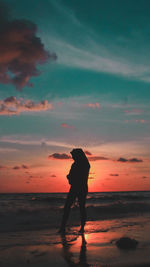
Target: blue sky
point(97, 90)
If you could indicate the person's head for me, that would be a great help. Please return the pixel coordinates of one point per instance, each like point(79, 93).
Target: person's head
point(78, 154)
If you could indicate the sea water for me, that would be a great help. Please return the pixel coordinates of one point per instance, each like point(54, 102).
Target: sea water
point(42, 210)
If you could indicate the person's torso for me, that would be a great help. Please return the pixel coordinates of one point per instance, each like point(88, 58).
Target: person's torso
point(79, 176)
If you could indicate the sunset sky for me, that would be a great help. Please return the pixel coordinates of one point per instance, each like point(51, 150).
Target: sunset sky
point(74, 74)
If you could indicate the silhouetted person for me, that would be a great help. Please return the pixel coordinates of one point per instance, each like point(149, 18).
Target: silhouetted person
point(78, 179)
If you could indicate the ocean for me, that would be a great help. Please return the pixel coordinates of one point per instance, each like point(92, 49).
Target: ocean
point(44, 210)
point(29, 226)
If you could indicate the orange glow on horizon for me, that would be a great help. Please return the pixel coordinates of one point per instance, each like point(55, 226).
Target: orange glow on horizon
point(105, 176)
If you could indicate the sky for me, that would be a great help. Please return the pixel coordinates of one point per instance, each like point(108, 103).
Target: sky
point(74, 74)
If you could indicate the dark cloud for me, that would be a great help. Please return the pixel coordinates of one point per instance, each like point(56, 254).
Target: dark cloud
point(114, 174)
point(20, 51)
point(60, 156)
point(87, 152)
point(66, 156)
point(53, 175)
point(23, 166)
point(133, 160)
point(122, 160)
point(16, 167)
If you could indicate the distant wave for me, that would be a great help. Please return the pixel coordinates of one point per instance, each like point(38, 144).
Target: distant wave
point(97, 210)
point(40, 211)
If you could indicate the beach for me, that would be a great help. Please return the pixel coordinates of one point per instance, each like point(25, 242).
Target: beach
point(29, 236)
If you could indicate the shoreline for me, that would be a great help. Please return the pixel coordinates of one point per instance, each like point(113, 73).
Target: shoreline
point(96, 247)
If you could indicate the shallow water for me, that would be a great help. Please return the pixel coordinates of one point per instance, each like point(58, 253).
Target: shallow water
point(95, 248)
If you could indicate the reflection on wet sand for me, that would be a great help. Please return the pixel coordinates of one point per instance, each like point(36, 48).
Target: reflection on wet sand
point(69, 256)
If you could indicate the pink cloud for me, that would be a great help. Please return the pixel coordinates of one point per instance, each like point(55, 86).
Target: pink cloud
point(95, 158)
point(133, 111)
point(142, 121)
point(14, 106)
point(93, 105)
point(21, 51)
point(65, 125)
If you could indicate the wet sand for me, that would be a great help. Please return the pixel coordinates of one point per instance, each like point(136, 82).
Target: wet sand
point(95, 248)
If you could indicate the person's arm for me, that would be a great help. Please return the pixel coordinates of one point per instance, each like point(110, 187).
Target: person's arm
point(69, 175)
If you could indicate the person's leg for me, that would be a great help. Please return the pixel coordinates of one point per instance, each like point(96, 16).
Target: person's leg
point(69, 201)
point(82, 200)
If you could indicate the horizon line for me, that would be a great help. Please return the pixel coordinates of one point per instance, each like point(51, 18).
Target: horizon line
point(67, 192)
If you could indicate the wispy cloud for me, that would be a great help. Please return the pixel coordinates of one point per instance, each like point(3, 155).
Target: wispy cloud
point(29, 140)
point(67, 126)
point(67, 13)
point(95, 57)
point(92, 105)
point(126, 149)
point(7, 149)
point(90, 53)
point(95, 158)
point(133, 111)
point(140, 121)
point(14, 106)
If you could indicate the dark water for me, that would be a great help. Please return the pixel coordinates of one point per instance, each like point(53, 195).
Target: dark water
point(39, 210)
point(28, 202)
